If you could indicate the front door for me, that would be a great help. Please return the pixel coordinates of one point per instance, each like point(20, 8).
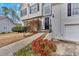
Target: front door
point(56, 21)
point(47, 23)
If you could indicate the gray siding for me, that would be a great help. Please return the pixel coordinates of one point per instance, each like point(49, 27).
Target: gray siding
point(6, 25)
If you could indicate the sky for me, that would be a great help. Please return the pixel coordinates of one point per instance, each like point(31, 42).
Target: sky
point(10, 5)
point(15, 6)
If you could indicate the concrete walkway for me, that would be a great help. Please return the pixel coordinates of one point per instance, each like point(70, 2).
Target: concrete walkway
point(66, 48)
point(48, 36)
point(10, 50)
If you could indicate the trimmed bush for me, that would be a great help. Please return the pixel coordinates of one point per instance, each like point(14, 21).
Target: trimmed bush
point(19, 28)
point(3, 32)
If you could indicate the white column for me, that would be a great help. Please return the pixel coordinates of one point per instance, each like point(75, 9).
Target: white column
point(42, 23)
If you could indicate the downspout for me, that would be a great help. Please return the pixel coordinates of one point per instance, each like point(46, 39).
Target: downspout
point(42, 15)
point(60, 24)
point(50, 25)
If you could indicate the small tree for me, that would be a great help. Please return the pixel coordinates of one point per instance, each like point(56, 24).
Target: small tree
point(5, 11)
point(34, 25)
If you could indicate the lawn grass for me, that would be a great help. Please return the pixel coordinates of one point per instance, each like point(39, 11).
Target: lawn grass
point(26, 51)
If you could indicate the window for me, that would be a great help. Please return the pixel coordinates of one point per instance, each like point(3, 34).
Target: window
point(47, 9)
point(21, 13)
point(5, 27)
point(24, 12)
point(73, 9)
point(34, 8)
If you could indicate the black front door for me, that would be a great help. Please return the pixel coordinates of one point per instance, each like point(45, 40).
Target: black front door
point(47, 23)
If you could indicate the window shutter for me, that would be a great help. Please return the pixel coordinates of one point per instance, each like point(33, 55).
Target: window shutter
point(69, 9)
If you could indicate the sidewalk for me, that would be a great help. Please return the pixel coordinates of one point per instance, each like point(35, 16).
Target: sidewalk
point(48, 36)
point(10, 50)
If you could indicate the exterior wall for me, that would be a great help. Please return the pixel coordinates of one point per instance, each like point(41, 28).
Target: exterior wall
point(56, 21)
point(47, 13)
point(24, 22)
point(32, 16)
point(47, 9)
point(63, 27)
point(71, 25)
point(6, 25)
point(43, 25)
point(37, 14)
point(40, 14)
point(29, 16)
point(24, 6)
point(74, 19)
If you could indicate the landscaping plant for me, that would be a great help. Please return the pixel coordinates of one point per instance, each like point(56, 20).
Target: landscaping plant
point(19, 28)
point(43, 47)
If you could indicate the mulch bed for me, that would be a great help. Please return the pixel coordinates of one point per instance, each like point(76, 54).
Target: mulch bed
point(4, 42)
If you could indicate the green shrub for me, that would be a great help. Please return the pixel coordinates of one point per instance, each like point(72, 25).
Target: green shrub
point(19, 28)
point(3, 32)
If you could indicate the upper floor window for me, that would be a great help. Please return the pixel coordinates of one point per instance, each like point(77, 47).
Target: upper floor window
point(24, 12)
point(73, 9)
point(47, 9)
point(34, 8)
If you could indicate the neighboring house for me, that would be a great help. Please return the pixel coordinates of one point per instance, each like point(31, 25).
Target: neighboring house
point(6, 24)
